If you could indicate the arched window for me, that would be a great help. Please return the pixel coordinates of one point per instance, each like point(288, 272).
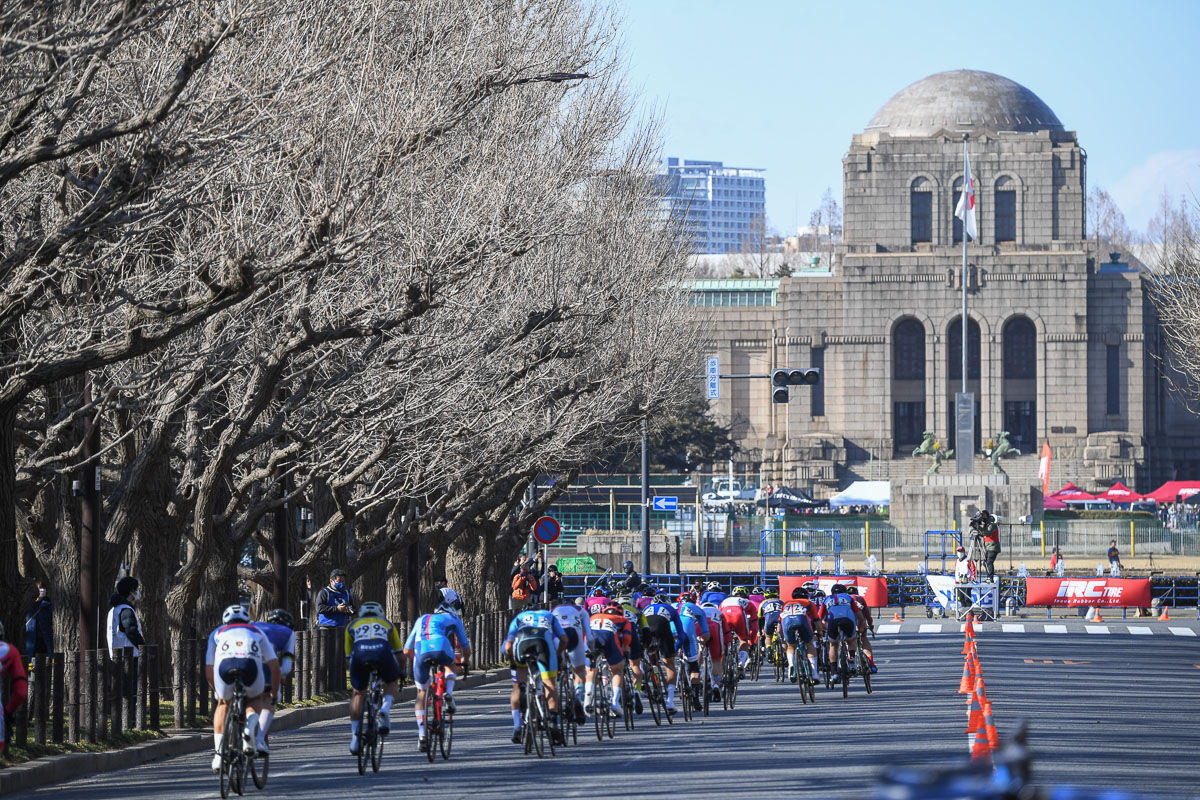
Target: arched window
point(954, 195)
point(954, 349)
point(1020, 383)
point(908, 351)
point(1006, 210)
point(908, 383)
point(1020, 349)
point(921, 199)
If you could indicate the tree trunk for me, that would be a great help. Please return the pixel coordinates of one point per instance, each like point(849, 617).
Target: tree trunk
point(478, 563)
point(11, 601)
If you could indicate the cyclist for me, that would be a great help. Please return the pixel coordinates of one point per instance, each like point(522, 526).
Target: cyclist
point(757, 595)
point(736, 611)
point(842, 619)
point(18, 688)
point(713, 594)
point(574, 621)
point(768, 614)
point(596, 601)
point(665, 628)
point(612, 635)
point(279, 632)
point(538, 633)
point(866, 624)
point(637, 621)
point(694, 636)
point(372, 644)
point(719, 635)
point(797, 619)
point(430, 645)
point(238, 646)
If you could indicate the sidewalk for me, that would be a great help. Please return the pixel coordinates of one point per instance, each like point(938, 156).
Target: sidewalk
point(53, 769)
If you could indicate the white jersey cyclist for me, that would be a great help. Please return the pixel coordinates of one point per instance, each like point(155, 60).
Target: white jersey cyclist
point(239, 646)
point(576, 623)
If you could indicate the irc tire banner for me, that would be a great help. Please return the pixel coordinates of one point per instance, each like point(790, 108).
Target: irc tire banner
point(1104, 592)
point(873, 590)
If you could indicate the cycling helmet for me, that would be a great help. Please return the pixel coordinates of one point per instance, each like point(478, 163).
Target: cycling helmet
point(599, 592)
point(454, 607)
point(758, 590)
point(799, 592)
point(579, 602)
point(713, 586)
point(851, 590)
point(771, 595)
point(370, 609)
point(741, 591)
point(837, 588)
point(449, 595)
point(687, 597)
point(662, 597)
point(281, 616)
point(614, 606)
point(810, 585)
point(624, 599)
point(816, 594)
point(235, 613)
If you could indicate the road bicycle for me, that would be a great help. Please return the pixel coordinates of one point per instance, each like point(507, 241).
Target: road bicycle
point(730, 680)
point(862, 666)
point(236, 762)
point(439, 720)
point(824, 668)
point(779, 658)
point(685, 693)
point(567, 723)
point(656, 686)
point(370, 742)
point(754, 665)
point(706, 673)
point(536, 717)
point(600, 709)
point(627, 695)
point(843, 668)
point(804, 675)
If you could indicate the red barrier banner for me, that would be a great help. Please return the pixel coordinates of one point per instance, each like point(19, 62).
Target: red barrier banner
point(873, 590)
point(1105, 592)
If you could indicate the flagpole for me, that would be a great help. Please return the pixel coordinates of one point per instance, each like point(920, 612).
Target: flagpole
point(964, 288)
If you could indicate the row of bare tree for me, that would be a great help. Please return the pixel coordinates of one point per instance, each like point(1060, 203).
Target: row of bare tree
point(385, 261)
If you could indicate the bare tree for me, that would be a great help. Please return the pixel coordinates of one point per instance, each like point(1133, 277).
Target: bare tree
point(1175, 291)
point(1106, 223)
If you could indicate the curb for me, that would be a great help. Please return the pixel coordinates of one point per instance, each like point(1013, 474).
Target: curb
point(56, 769)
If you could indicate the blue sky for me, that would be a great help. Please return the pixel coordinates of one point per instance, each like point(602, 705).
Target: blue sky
point(783, 85)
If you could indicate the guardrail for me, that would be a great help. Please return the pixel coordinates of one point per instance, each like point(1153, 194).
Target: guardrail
point(74, 699)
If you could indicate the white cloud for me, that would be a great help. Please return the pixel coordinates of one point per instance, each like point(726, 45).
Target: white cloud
point(1137, 193)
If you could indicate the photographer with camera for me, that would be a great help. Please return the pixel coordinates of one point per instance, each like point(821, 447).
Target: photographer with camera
point(984, 526)
point(335, 603)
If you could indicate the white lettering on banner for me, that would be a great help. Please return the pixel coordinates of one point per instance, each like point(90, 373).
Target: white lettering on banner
point(1088, 589)
point(943, 590)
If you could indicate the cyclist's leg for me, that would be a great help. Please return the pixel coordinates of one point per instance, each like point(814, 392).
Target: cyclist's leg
point(423, 665)
point(518, 672)
point(360, 675)
point(224, 693)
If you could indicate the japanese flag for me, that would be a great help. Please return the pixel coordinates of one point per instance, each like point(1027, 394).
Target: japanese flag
point(966, 201)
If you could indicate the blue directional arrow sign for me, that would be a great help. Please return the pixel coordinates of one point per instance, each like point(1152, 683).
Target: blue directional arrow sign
point(666, 503)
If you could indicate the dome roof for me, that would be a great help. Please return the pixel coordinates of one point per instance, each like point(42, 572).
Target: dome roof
point(963, 100)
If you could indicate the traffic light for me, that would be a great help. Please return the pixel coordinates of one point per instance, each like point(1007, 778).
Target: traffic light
point(781, 379)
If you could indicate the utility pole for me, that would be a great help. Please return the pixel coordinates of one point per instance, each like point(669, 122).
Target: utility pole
point(89, 531)
point(645, 503)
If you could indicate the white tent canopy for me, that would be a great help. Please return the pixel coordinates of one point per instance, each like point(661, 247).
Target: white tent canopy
point(863, 493)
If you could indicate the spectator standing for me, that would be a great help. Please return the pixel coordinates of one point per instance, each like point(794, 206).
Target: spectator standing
point(554, 581)
point(335, 602)
point(1058, 563)
point(524, 584)
point(39, 623)
point(964, 573)
point(1114, 556)
point(124, 628)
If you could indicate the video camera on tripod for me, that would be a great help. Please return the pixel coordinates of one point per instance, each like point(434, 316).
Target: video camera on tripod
point(982, 524)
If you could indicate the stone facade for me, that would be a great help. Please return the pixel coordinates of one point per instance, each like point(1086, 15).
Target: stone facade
point(1068, 346)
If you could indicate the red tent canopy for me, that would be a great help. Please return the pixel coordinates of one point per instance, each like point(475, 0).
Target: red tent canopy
point(1120, 493)
point(1072, 492)
point(1170, 491)
point(1054, 504)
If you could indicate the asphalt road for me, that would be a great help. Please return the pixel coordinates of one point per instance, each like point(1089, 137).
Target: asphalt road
point(1114, 711)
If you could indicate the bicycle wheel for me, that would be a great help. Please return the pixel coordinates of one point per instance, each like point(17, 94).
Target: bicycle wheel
point(654, 696)
point(864, 668)
point(548, 728)
point(707, 678)
point(226, 775)
point(238, 775)
point(802, 667)
point(844, 670)
point(599, 709)
point(537, 724)
point(259, 766)
point(812, 681)
point(445, 732)
point(432, 723)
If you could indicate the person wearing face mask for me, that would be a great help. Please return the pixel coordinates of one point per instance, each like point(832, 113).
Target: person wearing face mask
point(335, 603)
point(124, 629)
point(39, 624)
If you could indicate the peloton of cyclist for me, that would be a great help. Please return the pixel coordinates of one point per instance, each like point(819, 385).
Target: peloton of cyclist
point(238, 647)
point(535, 633)
point(611, 635)
point(372, 644)
point(278, 629)
point(719, 635)
point(430, 645)
point(637, 621)
point(768, 614)
point(736, 609)
point(842, 619)
point(695, 634)
point(866, 624)
point(797, 621)
point(665, 628)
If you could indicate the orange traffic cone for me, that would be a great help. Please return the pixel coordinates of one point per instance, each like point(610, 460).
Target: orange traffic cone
point(975, 720)
point(1096, 617)
point(969, 628)
point(964, 685)
point(980, 750)
point(896, 617)
point(992, 737)
point(1164, 616)
point(980, 689)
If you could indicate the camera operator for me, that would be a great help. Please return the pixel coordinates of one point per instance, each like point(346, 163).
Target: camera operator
point(984, 525)
point(335, 603)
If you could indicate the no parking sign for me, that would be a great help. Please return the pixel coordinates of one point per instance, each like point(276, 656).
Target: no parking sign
point(546, 530)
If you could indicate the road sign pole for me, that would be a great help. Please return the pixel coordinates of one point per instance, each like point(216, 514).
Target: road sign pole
point(645, 507)
point(545, 573)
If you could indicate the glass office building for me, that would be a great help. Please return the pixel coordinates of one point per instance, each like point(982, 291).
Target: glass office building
point(719, 205)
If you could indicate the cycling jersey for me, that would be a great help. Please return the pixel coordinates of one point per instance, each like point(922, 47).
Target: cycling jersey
point(795, 620)
point(372, 643)
point(637, 622)
point(695, 624)
point(11, 668)
point(595, 604)
point(665, 626)
point(736, 611)
point(768, 614)
point(536, 634)
point(612, 635)
point(239, 647)
point(433, 639)
point(643, 601)
point(574, 621)
point(839, 606)
point(283, 639)
point(713, 597)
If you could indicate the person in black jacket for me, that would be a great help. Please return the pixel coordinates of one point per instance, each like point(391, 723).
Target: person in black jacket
point(39, 623)
point(124, 629)
point(335, 603)
point(632, 579)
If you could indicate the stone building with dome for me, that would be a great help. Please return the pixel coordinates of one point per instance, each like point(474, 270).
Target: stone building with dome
point(1061, 340)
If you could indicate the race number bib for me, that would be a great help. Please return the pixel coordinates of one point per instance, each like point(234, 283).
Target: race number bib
point(369, 631)
point(604, 625)
point(238, 644)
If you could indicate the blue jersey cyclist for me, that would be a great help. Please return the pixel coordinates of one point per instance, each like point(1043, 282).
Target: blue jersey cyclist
point(431, 646)
point(279, 630)
point(713, 594)
point(535, 636)
point(372, 644)
point(695, 636)
point(665, 631)
point(842, 619)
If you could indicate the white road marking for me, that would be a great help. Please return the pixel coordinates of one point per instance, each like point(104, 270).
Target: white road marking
point(1055, 629)
point(1097, 629)
point(930, 627)
point(1013, 627)
point(887, 628)
point(1141, 630)
point(1182, 631)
